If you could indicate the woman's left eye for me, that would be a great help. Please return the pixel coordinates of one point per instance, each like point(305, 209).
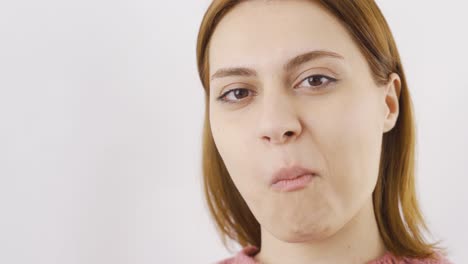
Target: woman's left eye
point(317, 81)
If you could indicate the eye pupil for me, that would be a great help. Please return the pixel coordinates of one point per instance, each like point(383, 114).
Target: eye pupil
point(315, 80)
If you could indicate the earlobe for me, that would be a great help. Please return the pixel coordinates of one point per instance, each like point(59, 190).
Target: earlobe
point(392, 95)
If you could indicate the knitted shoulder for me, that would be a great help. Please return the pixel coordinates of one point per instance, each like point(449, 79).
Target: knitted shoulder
point(391, 259)
point(245, 256)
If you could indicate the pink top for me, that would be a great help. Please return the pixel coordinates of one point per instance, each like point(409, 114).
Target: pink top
point(245, 256)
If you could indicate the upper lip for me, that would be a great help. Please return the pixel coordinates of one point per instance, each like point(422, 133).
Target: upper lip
point(288, 173)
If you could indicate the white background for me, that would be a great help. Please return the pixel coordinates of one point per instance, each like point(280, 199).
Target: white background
point(101, 113)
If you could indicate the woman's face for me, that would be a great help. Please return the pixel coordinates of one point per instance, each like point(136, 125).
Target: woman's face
point(322, 112)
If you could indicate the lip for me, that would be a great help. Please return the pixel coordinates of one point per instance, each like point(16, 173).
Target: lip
point(292, 178)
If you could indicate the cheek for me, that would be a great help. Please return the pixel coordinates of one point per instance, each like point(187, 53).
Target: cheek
point(233, 137)
point(230, 138)
point(350, 140)
point(231, 141)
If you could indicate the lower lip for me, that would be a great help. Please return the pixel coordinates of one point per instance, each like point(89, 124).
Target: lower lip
point(294, 184)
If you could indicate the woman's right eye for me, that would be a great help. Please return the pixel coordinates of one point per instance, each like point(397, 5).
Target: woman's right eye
point(234, 95)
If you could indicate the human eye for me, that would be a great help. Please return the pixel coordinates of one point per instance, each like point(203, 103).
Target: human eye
point(317, 81)
point(235, 95)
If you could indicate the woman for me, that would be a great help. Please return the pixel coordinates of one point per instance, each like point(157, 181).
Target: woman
point(309, 134)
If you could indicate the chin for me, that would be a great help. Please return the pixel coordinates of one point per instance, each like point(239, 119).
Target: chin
point(305, 234)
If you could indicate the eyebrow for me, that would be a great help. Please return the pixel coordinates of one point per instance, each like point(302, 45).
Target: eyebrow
point(289, 66)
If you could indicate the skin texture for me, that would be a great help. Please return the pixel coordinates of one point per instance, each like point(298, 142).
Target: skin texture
point(278, 119)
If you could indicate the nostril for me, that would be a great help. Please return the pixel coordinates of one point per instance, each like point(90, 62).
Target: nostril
point(289, 133)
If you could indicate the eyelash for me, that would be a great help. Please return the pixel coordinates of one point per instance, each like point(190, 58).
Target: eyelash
point(323, 86)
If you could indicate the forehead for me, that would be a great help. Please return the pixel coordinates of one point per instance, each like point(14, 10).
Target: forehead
point(264, 34)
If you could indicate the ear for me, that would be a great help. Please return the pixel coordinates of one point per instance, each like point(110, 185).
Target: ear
point(392, 94)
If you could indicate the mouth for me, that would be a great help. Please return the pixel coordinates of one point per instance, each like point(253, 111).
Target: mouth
point(292, 178)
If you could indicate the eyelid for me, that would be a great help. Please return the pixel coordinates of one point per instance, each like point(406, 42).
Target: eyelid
point(222, 97)
point(224, 91)
point(232, 86)
point(329, 79)
point(316, 71)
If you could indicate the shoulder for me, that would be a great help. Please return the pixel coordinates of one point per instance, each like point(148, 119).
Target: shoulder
point(389, 258)
point(245, 256)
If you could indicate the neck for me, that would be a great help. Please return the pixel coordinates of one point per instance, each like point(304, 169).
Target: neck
point(357, 242)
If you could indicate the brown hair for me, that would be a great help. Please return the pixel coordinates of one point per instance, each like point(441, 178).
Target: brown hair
point(398, 216)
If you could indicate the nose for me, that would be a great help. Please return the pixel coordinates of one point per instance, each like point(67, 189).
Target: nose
point(279, 122)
